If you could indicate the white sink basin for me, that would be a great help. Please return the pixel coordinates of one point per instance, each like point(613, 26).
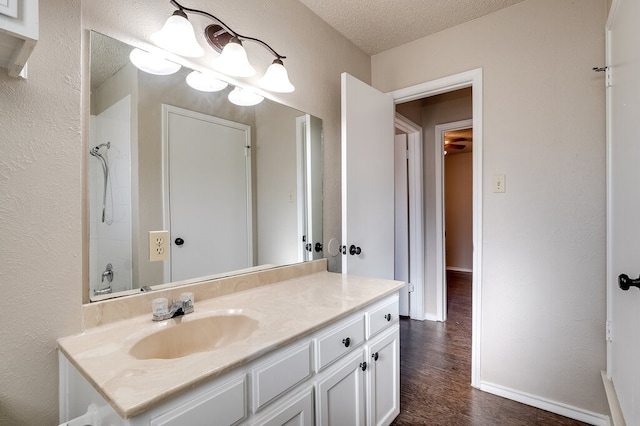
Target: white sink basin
point(184, 336)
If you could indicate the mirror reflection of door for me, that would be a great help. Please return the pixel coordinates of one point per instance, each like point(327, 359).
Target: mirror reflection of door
point(209, 194)
point(309, 147)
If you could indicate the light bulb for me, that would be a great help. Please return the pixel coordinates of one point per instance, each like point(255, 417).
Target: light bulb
point(276, 79)
point(233, 60)
point(177, 36)
point(244, 97)
point(205, 81)
point(152, 63)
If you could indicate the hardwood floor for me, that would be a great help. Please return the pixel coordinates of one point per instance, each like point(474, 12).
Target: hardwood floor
point(435, 373)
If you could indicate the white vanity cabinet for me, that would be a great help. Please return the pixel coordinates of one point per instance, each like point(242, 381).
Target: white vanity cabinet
point(345, 373)
point(363, 387)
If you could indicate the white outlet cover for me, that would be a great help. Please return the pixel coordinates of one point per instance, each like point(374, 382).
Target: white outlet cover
point(499, 183)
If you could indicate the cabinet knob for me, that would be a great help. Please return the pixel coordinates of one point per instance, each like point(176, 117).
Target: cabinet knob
point(387, 317)
point(375, 356)
point(346, 342)
point(354, 250)
point(363, 366)
point(179, 241)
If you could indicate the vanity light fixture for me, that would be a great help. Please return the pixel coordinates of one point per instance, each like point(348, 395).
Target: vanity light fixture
point(233, 59)
point(205, 81)
point(244, 97)
point(152, 63)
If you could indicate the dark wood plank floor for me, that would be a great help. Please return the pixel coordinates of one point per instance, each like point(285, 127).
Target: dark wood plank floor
point(435, 373)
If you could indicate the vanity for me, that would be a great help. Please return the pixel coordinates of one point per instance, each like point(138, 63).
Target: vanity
point(289, 345)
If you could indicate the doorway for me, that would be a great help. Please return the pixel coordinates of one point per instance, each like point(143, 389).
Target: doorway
point(453, 199)
point(473, 81)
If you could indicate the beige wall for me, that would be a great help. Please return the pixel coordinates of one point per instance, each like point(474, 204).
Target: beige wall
point(458, 201)
point(41, 158)
point(543, 294)
point(43, 151)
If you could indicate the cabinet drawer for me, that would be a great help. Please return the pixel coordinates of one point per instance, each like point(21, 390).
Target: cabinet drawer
point(297, 411)
point(224, 405)
point(280, 373)
point(381, 316)
point(339, 341)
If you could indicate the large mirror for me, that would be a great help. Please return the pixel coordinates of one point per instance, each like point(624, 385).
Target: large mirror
point(184, 185)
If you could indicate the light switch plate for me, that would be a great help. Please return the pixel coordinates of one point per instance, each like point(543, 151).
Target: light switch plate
point(499, 183)
point(158, 245)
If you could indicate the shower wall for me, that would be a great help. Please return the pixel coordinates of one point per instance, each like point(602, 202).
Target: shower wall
point(110, 242)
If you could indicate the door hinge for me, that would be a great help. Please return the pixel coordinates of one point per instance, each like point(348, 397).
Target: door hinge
point(609, 331)
point(407, 151)
point(247, 150)
point(411, 288)
point(607, 75)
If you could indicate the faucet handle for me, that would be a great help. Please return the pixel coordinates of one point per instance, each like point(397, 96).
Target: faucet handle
point(160, 307)
point(187, 302)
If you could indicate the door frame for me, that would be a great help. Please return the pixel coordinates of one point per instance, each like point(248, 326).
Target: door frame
point(416, 215)
point(301, 167)
point(473, 79)
point(441, 258)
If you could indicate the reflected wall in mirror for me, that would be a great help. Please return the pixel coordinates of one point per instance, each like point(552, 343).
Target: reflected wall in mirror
point(236, 187)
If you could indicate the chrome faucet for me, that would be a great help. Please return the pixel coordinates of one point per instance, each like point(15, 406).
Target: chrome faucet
point(177, 308)
point(108, 273)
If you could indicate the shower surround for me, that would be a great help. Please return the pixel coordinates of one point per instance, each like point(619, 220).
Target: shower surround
point(110, 241)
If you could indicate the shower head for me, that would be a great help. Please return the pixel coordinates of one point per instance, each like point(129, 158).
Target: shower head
point(95, 151)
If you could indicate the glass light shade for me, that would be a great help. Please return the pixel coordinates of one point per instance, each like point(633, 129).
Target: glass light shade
point(244, 97)
point(276, 79)
point(233, 60)
point(205, 82)
point(177, 36)
point(153, 63)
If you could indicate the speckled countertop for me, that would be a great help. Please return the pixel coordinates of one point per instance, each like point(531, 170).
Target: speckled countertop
point(286, 311)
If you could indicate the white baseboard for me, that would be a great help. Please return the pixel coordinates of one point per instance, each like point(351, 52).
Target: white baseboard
point(430, 317)
point(457, 269)
point(547, 404)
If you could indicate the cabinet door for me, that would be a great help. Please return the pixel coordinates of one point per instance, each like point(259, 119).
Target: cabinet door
point(383, 398)
point(341, 394)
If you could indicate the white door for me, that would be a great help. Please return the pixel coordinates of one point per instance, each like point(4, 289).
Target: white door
point(624, 204)
point(367, 180)
point(209, 194)
point(402, 220)
point(309, 145)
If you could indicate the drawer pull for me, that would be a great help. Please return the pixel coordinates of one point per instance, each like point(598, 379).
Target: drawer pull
point(375, 356)
point(346, 342)
point(363, 366)
point(387, 317)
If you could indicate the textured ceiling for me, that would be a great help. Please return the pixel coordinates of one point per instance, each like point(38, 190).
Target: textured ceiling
point(107, 57)
point(378, 25)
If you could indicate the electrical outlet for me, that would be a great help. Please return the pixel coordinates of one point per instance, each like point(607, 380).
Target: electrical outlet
point(158, 245)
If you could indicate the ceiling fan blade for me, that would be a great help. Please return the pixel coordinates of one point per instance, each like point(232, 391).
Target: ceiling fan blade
point(454, 146)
